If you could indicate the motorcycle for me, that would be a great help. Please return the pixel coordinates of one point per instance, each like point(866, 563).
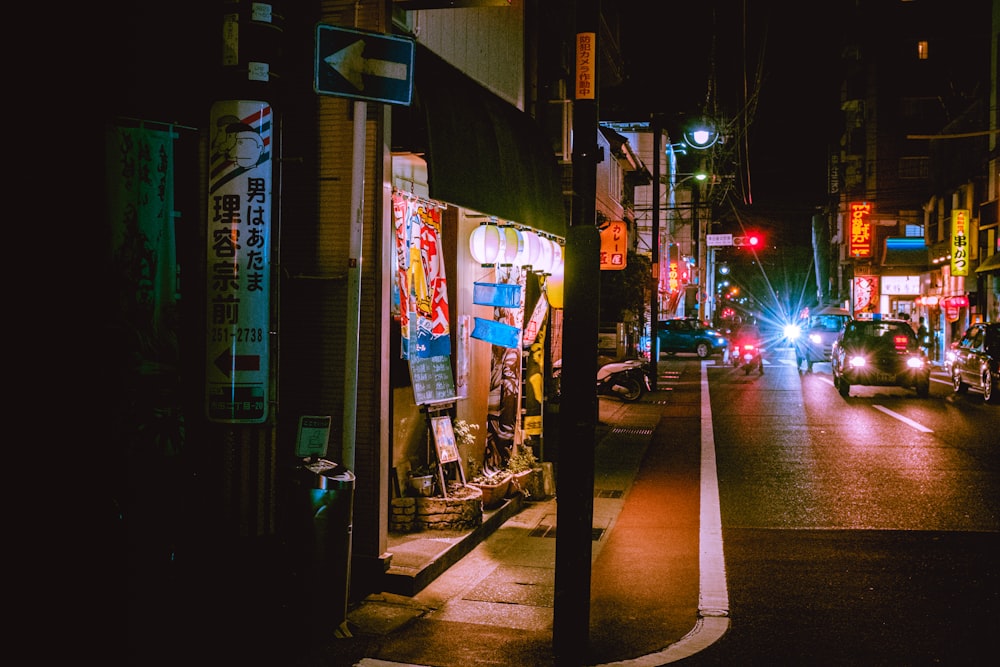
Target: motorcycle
point(626, 380)
point(747, 355)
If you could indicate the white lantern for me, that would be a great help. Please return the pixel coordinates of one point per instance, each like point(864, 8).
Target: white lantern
point(485, 243)
point(544, 262)
point(532, 247)
point(512, 245)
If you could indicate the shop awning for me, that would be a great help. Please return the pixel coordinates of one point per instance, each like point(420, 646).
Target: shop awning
point(906, 252)
point(482, 152)
point(992, 263)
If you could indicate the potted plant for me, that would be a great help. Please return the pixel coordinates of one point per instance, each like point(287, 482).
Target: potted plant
point(522, 464)
point(493, 484)
point(420, 480)
point(465, 433)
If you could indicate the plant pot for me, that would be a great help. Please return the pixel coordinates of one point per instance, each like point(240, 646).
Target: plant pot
point(493, 494)
point(521, 483)
point(422, 485)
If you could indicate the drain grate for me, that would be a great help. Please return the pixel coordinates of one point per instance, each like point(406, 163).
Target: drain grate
point(543, 530)
point(608, 493)
point(631, 431)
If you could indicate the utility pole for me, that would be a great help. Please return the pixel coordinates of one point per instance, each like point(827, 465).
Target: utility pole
point(579, 415)
point(654, 300)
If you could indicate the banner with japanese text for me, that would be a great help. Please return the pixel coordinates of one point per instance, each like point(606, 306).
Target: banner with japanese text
point(238, 268)
point(960, 242)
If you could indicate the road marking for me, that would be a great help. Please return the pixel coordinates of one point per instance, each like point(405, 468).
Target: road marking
point(905, 420)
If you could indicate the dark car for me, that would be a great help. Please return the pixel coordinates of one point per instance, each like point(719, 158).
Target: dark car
point(814, 343)
point(879, 353)
point(975, 361)
point(689, 334)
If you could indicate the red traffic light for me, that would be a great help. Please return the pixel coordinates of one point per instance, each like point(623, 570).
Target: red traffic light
point(752, 239)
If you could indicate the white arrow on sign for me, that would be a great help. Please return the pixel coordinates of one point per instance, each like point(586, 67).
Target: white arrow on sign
point(351, 64)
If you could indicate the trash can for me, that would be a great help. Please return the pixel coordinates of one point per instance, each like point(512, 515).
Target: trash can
point(324, 503)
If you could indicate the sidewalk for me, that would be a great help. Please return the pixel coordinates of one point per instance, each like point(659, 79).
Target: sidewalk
point(492, 603)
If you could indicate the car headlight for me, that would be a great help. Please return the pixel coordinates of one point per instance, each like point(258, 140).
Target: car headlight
point(915, 362)
point(815, 339)
point(792, 331)
point(857, 362)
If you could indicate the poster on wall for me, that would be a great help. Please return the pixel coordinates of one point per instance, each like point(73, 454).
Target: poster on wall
point(238, 268)
point(865, 294)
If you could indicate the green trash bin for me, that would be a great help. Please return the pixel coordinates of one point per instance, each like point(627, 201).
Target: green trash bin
point(325, 492)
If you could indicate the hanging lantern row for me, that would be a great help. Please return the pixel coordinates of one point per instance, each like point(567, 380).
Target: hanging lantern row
point(492, 243)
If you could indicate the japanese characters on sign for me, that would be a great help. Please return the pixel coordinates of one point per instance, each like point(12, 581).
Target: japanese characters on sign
point(865, 294)
point(238, 267)
point(960, 242)
point(586, 65)
point(613, 246)
point(673, 269)
point(860, 229)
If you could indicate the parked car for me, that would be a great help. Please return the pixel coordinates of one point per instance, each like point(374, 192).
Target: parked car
point(975, 361)
point(879, 353)
point(689, 334)
point(814, 342)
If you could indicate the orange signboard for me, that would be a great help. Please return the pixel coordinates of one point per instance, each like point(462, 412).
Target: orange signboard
point(614, 239)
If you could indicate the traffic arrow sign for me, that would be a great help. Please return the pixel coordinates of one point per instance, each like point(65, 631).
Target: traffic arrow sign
point(363, 65)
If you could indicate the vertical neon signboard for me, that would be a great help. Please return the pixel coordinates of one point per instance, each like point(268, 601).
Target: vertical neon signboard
point(860, 229)
point(238, 268)
point(960, 242)
point(613, 249)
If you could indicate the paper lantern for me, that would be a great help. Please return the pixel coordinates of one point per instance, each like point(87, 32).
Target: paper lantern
point(544, 261)
point(512, 245)
point(531, 248)
point(554, 287)
point(485, 243)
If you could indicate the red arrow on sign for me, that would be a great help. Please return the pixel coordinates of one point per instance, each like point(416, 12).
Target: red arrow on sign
point(228, 363)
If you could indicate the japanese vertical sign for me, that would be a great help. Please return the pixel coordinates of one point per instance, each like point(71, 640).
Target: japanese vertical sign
point(960, 242)
point(238, 268)
point(586, 65)
point(865, 294)
point(613, 246)
point(859, 233)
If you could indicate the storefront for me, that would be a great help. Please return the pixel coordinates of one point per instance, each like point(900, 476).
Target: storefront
point(479, 223)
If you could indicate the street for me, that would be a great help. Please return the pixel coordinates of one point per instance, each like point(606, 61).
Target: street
point(855, 531)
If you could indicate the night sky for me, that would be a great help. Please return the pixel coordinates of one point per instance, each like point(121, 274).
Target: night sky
point(717, 55)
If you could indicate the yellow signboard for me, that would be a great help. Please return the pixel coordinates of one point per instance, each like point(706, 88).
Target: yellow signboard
point(960, 242)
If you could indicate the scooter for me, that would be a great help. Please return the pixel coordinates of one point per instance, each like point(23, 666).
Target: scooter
point(747, 355)
point(626, 380)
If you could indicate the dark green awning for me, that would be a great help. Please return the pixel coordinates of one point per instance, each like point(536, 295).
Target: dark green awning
point(482, 152)
point(992, 263)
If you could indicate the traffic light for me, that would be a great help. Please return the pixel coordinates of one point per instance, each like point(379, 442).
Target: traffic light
point(751, 239)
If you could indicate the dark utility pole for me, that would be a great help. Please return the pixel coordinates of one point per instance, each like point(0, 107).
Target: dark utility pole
point(654, 300)
point(579, 412)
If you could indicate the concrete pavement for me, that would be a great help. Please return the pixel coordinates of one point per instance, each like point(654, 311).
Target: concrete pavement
point(658, 589)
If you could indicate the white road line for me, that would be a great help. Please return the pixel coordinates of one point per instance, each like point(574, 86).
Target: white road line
point(905, 420)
